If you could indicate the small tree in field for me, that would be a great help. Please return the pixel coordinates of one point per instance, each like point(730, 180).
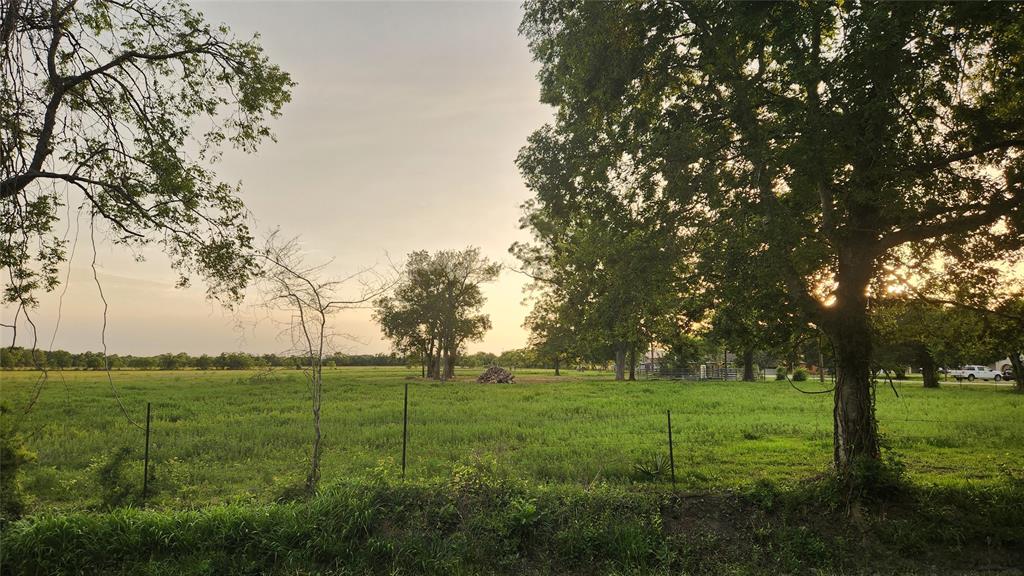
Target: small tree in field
point(299, 289)
point(435, 307)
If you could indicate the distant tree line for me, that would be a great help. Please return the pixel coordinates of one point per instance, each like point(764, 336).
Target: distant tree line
point(18, 357)
point(516, 358)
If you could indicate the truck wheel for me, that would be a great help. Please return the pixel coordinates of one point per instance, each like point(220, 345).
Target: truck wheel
point(970, 377)
point(998, 377)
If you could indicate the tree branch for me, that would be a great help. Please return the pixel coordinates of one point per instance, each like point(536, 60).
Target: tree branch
point(955, 225)
point(967, 155)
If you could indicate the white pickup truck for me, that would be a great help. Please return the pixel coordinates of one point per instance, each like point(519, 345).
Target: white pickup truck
point(972, 372)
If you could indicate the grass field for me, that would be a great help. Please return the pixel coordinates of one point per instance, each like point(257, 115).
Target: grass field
point(227, 436)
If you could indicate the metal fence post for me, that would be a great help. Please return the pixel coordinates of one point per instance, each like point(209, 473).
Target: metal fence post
point(405, 427)
point(145, 466)
point(671, 455)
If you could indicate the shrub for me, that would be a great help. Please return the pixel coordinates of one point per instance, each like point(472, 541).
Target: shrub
point(780, 373)
point(652, 469)
point(799, 375)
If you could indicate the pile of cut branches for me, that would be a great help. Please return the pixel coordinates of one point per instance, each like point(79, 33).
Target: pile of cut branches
point(496, 375)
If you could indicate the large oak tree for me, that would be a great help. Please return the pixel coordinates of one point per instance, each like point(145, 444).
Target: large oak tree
point(844, 137)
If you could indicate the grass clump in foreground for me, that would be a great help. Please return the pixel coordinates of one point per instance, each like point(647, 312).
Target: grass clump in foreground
point(480, 523)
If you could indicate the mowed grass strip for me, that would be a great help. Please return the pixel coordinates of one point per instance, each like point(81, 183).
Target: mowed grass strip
point(220, 436)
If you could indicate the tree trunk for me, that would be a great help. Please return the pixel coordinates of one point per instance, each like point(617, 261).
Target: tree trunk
point(748, 364)
point(556, 365)
point(855, 433)
point(928, 368)
point(431, 364)
point(442, 357)
point(632, 363)
point(620, 361)
point(1018, 370)
point(450, 367)
point(314, 465)
point(791, 360)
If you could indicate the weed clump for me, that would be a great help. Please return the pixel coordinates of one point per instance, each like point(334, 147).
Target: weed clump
point(652, 469)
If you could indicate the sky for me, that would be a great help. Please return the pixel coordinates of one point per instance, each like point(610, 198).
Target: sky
point(401, 135)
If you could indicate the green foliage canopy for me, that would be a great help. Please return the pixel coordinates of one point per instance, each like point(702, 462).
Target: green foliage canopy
point(832, 140)
point(120, 108)
point(435, 307)
point(606, 257)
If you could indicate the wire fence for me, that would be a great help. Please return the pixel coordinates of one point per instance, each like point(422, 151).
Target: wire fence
point(652, 445)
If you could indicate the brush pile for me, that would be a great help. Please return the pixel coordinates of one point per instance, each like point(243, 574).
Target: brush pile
point(496, 375)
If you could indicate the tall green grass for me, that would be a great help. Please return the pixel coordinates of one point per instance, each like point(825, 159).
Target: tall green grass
point(479, 523)
point(244, 436)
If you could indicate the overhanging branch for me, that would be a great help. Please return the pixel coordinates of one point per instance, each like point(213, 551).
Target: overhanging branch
point(953, 225)
point(968, 154)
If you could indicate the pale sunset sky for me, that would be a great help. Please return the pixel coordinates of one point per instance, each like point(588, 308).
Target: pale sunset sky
point(401, 135)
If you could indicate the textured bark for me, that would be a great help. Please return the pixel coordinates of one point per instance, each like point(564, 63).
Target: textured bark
point(855, 433)
point(432, 367)
point(431, 361)
point(449, 368)
point(748, 365)
point(1018, 370)
point(10, 20)
point(620, 360)
point(928, 369)
point(632, 362)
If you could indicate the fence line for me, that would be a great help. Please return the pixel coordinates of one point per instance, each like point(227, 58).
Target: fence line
point(625, 449)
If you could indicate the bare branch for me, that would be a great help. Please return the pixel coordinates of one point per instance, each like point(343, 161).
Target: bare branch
point(291, 285)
